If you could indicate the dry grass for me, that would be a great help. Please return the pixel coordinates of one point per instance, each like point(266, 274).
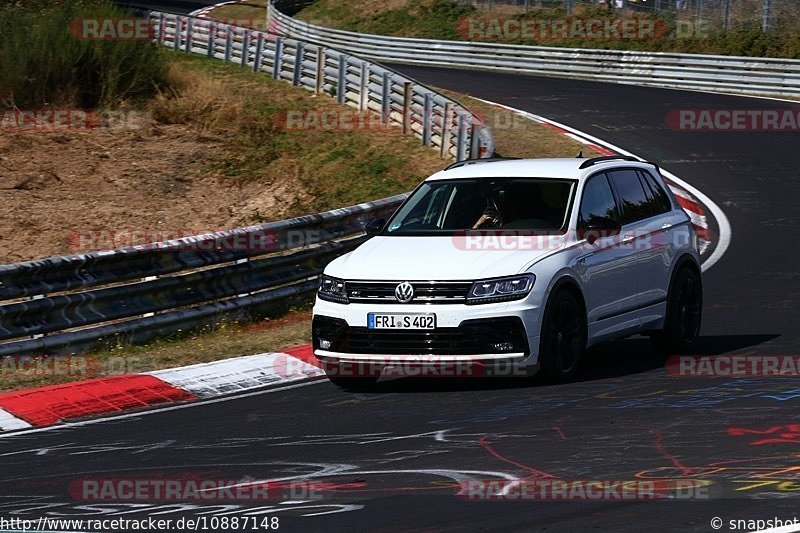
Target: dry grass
point(224, 341)
point(520, 137)
point(213, 143)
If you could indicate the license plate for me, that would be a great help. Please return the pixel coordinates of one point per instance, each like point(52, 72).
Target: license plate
point(401, 321)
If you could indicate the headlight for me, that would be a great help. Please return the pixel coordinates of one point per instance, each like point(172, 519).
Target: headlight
point(501, 289)
point(332, 289)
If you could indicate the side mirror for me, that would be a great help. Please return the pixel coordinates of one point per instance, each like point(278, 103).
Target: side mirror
point(374, 227)
point(598, 228)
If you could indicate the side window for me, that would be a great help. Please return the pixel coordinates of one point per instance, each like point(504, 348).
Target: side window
point(660, 198)
point(597, 201)
point(635, 204)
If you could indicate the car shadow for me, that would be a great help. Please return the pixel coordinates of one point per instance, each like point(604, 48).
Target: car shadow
point(636, 355)
point(612, 359)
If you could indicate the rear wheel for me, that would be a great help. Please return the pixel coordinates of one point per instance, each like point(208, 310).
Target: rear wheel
point(684, 313)
point(563, 337)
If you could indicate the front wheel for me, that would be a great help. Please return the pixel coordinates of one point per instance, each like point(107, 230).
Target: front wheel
point(563, 337)
point(684, 314)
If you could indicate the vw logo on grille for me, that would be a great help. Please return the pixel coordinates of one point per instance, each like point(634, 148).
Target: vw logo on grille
point(404, 292)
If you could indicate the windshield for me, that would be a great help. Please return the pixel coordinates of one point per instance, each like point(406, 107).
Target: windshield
point(449, 206)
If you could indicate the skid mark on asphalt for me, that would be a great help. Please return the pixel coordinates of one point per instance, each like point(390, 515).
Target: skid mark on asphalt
point(535, 473)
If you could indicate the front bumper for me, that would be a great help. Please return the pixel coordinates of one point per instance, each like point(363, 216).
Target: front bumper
point(502, 335)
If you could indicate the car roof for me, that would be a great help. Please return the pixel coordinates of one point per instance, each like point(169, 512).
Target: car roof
point(559, 168)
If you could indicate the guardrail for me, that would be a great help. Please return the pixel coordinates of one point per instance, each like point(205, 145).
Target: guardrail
point(776, 77)
point(724, 14)
point(436, 119)
point(68, 303)
point(138, 293)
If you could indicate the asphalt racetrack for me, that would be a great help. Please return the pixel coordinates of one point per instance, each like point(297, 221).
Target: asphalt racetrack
point(394, 458)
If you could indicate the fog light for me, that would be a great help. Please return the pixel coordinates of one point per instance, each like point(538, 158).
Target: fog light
point(503, 346)
point(323, 344)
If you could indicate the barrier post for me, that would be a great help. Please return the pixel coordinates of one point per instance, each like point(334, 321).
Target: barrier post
point(276, 68)
point(189, 28)
point(299, 54)
point(177, 44)
point(408, 98)
point(341, 81)
point(212, 40)
point(228, 42)
point(447, 130)
point(461, 141)
point(259, 52)
point(245, 48)
point(427, 119)
point(386, 96)
point(320, 81)
point(363, 88)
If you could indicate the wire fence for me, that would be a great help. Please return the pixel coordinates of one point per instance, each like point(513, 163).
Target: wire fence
point(769, 15)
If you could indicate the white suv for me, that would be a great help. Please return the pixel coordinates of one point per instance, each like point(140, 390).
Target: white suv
point(516, 264)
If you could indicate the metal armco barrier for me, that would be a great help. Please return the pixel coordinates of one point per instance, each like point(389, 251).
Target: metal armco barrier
point(777, 77)
point(142, 292)
point(346, 76)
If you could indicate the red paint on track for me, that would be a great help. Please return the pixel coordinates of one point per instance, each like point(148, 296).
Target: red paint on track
point(304, 353)
point(601, 150)
point(662, 449)
point(553, 127)
point(534, 473)
point(689, 205)
point(55, 403)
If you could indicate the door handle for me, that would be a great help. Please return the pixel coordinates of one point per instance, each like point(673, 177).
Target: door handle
point(666, 227)
point(627, 239)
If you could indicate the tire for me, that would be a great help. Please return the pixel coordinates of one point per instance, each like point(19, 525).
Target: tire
point(563, 337)
point(684, 314)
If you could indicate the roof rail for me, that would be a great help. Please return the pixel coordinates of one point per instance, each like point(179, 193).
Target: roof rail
point(596, 160)
point(484, 160)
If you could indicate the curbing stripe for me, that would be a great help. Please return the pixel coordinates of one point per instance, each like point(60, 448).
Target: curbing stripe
point(216, 378)
point(9, 421)
point(56, 403)
point(60, 403)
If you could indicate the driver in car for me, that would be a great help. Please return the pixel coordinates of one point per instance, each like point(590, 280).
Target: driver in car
point(498, 212)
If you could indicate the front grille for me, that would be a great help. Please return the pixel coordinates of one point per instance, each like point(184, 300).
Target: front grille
point(425, 292)
point(470, 338)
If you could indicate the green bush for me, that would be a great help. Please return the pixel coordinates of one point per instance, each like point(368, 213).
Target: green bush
point(43, 64)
